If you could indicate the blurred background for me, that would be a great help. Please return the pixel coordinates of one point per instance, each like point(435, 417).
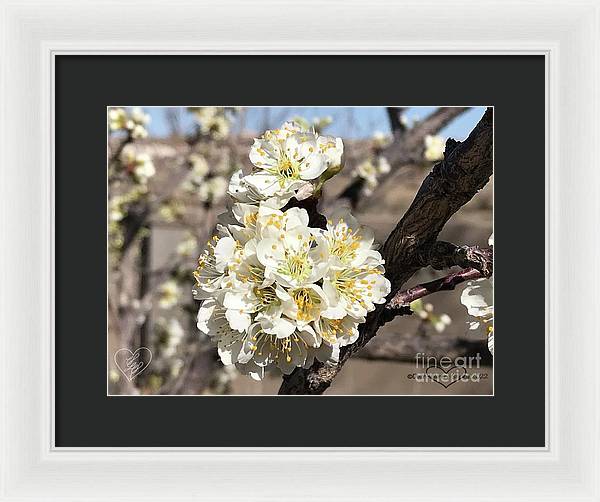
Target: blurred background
point(168, 171)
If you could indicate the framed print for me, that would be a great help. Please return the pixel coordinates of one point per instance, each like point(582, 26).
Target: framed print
point(207, 334)
point(283, 237)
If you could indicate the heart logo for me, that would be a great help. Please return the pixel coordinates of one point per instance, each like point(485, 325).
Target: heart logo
point(131, 364)
point(445, 377)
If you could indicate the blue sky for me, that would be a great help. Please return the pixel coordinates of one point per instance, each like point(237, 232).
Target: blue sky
point(349, 122)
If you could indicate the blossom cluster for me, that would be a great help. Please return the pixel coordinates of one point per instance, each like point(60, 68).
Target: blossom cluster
point(135, 122)
point(208, 182)
point(137, 164)
point(128, 163)
point(276, 291)
point(370, 170)
point(375, 165)
point(426, 314)
point(288, 162)
point(213, 121)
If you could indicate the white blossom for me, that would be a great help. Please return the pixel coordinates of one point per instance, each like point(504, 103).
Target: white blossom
point(383, 166)
point(242, 191)
point(354, 290)
point(442, 323)
point(217, 187)
point(275, 291)
point(115, 211)
point(286, 160)
point(200, 167)
point(425, 312)
point(213, 265)
point(117, 119)
point(434, 148)
point(381, 140)
point(140, 165)
point(171, 210)
point(478, 298)
point(187, 246)
point(213, 121)
point(139, 117)
point(169, 294)
point(369, 170)
point(173, 335)
point(350, 243)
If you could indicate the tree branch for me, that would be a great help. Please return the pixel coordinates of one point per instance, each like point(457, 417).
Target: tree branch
point(437, 120)
point(118, 150)
point(395, 116)
point(445, 255)
point(454, 181)
point(408, 146)
point(477, 263)
point(399, 304)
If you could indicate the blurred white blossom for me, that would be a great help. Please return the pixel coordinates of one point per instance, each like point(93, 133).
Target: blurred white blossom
point(135, 122)
point(214, 121)
point(140, 165)
point(369, 170)
point(187, 246)
point(117, 119)
point(426, 312)
point(171, 210)
point(381, 140)
point(114, 376)
point(200, 167)
point(169, 293)
point(434, 148)
point(171, 334)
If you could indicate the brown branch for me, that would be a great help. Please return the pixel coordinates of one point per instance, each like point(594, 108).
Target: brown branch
point(445, 255)
point(116, 154)
point(454, 181)
point(477, 263)
point(399, 304)
point(408, 147)
point(412, 146)
point(437, 120)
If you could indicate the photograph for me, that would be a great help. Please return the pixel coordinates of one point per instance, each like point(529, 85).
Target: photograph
point(228, 225)
point(246, 248)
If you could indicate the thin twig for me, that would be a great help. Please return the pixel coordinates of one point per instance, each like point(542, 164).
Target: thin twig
point(399, 304)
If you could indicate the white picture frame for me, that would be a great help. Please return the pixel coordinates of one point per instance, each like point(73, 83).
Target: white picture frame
point(566, 33)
